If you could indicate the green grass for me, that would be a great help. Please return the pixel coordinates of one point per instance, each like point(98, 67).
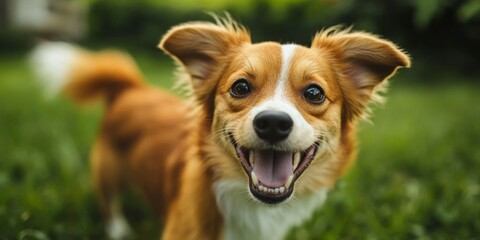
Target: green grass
point(416, 177)
point(417, 173)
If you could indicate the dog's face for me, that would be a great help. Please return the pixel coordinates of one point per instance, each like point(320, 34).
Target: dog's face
point(277, 105)
point(281, 112)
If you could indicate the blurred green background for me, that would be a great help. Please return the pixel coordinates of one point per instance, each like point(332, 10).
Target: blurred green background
point(418, 171)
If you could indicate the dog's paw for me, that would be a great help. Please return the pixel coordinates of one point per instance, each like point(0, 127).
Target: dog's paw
point(118, 229)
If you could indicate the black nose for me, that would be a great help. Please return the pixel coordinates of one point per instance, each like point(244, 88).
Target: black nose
point(272, 126)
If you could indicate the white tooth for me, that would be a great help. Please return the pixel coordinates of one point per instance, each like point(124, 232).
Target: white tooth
point(296, 160)
point(260, 188)
point(289, 181)
point(251, 158)
point(282, 189)
point(276, 190)
point(254, 178)
point(270, 190)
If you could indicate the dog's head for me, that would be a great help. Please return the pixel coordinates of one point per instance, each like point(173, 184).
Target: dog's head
point(283, 113)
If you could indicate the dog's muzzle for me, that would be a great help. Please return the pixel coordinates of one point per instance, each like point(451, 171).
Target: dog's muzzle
point(272, 172)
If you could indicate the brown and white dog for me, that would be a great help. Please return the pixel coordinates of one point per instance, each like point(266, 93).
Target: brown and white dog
point(267, 131)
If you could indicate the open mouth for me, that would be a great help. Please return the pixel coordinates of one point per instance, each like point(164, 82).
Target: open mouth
point(272, 173)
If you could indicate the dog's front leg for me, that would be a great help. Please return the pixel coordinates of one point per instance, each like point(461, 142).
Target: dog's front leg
point(194, 214)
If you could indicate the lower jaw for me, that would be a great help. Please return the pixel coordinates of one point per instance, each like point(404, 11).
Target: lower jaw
point(270, 198)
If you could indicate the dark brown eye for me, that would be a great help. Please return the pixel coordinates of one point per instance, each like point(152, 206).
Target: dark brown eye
point(314, 94)
point(240, 89)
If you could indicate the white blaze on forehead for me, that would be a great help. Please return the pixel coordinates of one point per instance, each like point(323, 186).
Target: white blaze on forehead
point(302, 135)
point(287, 53)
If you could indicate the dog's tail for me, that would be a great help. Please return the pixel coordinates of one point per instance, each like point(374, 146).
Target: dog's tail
point(83, 75)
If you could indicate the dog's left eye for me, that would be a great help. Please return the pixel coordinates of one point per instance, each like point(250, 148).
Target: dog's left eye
point(314, 94)
point(240, 89)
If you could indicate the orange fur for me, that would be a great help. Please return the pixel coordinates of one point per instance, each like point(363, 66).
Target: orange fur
point(175, 150)
point(102, 74)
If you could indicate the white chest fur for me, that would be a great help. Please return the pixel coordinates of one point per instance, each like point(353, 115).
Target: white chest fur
point(246, 218)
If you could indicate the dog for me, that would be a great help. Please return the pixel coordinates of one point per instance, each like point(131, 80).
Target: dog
point(266, 131)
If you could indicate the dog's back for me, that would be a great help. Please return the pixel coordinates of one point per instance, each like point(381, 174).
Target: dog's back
point(142, 132)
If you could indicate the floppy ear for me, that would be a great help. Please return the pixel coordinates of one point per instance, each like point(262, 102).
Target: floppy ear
point(363, 62)
point(203, 48)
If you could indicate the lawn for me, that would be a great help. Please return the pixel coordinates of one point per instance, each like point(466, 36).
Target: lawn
point(417, 175)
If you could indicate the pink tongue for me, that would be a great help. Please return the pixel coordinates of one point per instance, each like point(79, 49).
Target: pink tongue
point(272, 168)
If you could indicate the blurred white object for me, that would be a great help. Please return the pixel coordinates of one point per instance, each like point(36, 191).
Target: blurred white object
point(52, 18)
point(52, 62)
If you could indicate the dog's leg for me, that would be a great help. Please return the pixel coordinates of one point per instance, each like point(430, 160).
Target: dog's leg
point(194, 215)
point(117, 226)
point(107, 177)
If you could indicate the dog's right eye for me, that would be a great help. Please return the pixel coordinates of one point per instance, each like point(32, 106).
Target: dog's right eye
point(240, 89)
point(314, 94)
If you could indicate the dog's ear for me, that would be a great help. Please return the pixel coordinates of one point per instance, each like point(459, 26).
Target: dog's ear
point(203, 48)
point(363, 62)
